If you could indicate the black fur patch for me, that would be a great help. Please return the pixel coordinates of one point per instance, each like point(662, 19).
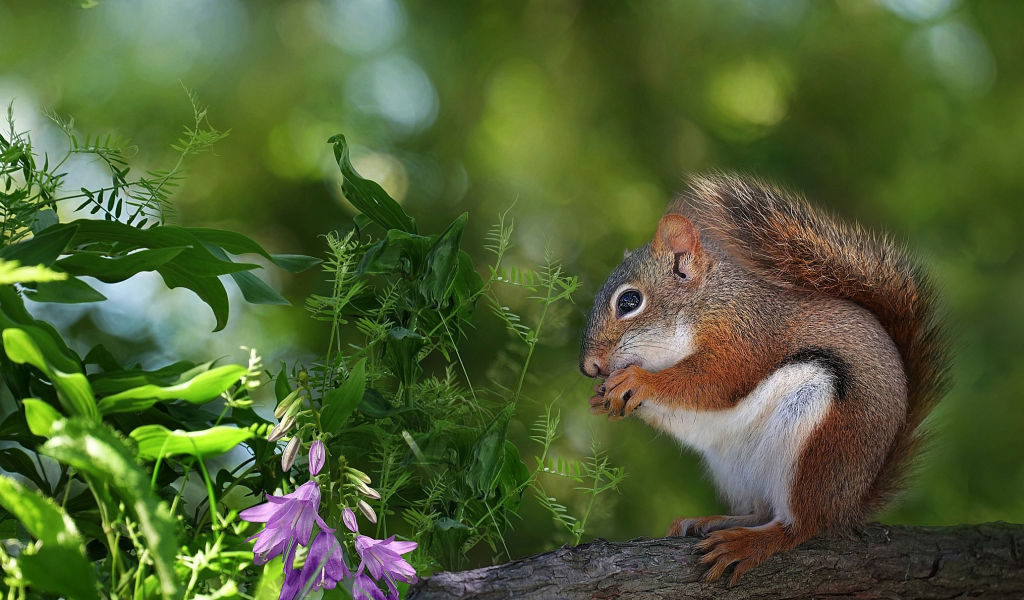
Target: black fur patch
point(831, 361)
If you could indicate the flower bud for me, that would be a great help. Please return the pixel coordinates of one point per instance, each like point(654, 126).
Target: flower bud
point(317, 456)
point(367, 511)
point(282, 428)
point(349, 518)
point(364, 489)
point(354, 474)
point(285, 404)
point(290, 452)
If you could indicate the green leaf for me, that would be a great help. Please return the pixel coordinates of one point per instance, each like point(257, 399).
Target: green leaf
point(200, 389)
point(209, 289)
point(75, 578)
point(253, 289)
point(42, 249)
point(70, 291)
point(94, 451)
point(156, 441)
point(40, 416)
point(514, 474)
point(281, 386)
point(256, 291)
point(366, 195)
point(13, 314)
point(339, 403)
point(73, 389)
point(402, 354)
point(194, 256)
point(376, 407)
point(62, 551)
point(11, 271)
point(443, 263)
point(467, 285)
point(489, 455)
point(116, 269)
point(400, 251)
point(236, 243)
point(16, 460)
point(45, 217)
point(295, 263)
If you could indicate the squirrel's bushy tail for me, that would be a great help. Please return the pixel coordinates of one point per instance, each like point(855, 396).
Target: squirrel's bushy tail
point(796, 244)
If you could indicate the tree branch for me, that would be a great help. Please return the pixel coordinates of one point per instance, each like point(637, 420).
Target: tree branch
point(885, 561)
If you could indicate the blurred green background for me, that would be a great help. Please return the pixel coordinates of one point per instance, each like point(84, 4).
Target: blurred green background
point(906, 115)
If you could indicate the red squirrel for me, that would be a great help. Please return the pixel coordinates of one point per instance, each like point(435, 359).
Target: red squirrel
point(798, 354)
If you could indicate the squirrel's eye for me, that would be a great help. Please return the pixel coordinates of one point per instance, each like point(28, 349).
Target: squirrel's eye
point(629, 301)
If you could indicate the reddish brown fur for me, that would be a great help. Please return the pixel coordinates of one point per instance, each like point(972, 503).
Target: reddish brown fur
point(768, 276)
point(790, 242)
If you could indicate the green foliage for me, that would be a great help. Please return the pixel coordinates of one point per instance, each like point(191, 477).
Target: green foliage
point(103, 424)
point(385, 398)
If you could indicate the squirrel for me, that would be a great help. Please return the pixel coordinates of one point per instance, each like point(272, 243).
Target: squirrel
point(797, 353)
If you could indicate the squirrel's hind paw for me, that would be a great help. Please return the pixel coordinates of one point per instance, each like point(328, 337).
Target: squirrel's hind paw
point(746, 547)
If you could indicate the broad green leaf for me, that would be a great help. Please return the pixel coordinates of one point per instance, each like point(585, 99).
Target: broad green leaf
point(514, 474)
point(16, 460)
point(376, 407)
point(295, 263)
point(236, 243)
point(339, 403)
point(119, 380)
point(281, 386)
point(193, 256)
point(60, 570)
point(467, 285)
point(94, 451)
point(209, 289)
point(40, 416)
point(253, 289)
point(256, 291)
point(69, 291)
point(489, 455)
point(115, 269)
point(366, 195)
point(443, 263)
point(200, 389)
point(62, 551)
point(45, 217)
point(11, 271)
point(156, 441)
point(40, 515)
point(13, 314)
point(101, 357)
point(404, 252)
point(402, 354)
point(42, 249)
point(73, 389)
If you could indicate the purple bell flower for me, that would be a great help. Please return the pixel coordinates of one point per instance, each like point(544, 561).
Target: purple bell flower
point(382, 558)
point(363, 588)
point(289, 519)
point(325, 567)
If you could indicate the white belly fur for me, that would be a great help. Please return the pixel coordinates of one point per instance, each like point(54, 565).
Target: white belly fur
point(752, 449)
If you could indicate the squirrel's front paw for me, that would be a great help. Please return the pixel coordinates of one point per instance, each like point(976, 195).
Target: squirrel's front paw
point(624, 391)
point(598, 403)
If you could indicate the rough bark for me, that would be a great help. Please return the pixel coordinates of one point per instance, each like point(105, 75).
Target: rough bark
point(885, 561)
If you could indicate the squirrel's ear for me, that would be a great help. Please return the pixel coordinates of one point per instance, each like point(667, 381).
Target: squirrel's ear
point(676, 235)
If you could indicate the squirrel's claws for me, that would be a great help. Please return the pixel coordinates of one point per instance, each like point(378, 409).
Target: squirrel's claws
point(624, 391)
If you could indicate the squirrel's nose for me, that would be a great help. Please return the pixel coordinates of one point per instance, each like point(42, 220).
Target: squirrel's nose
point(592, 366)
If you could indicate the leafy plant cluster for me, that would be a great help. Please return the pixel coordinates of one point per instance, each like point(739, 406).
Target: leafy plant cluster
point(387, 413)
